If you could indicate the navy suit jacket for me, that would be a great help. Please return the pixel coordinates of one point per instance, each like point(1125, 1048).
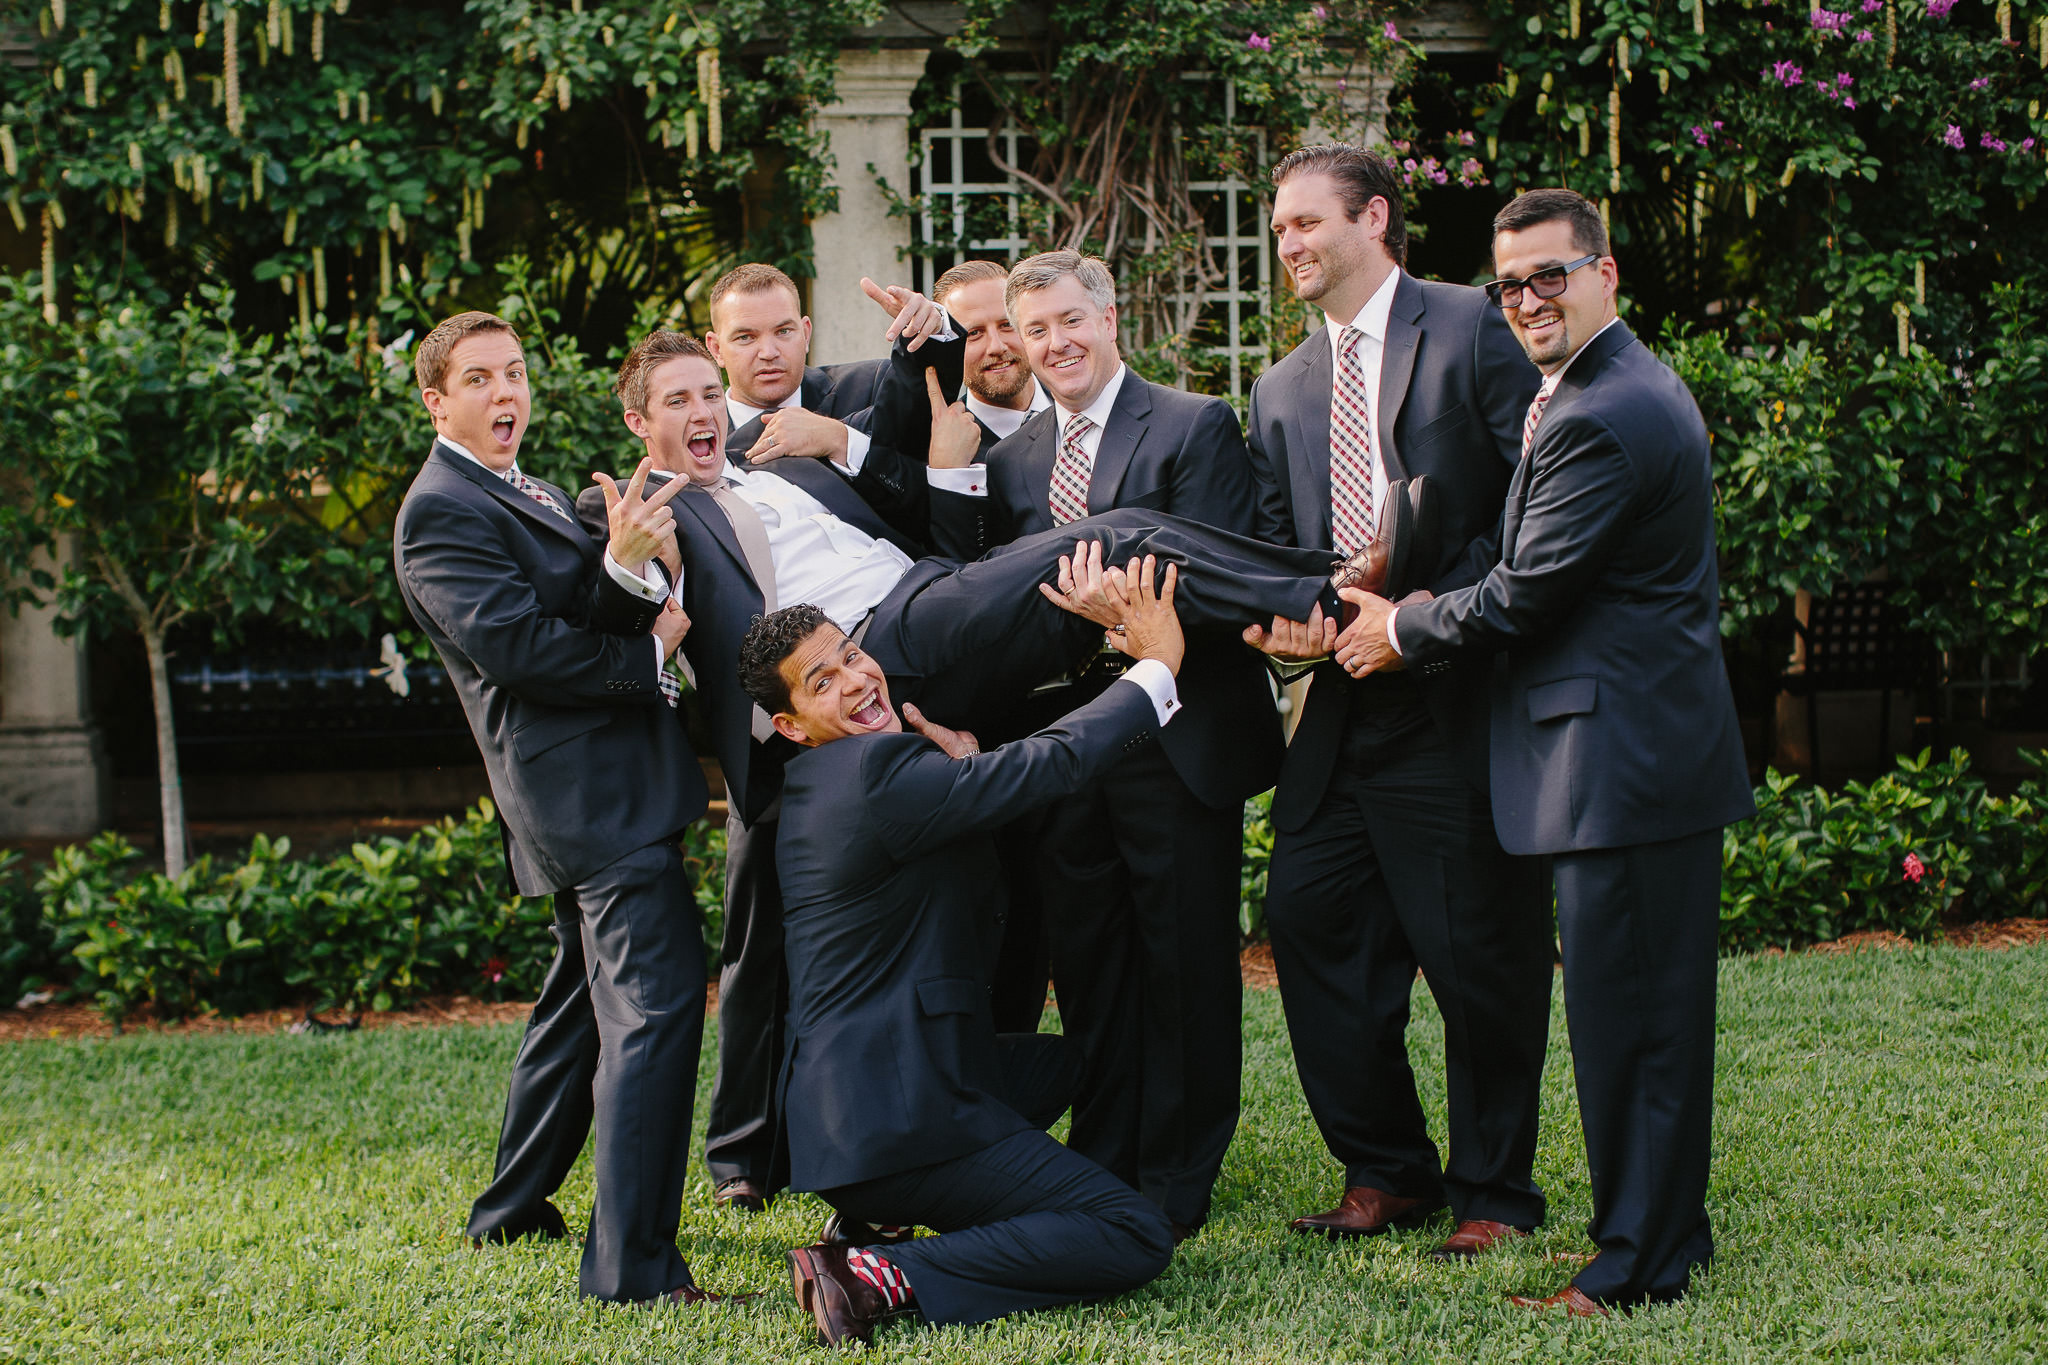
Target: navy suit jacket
point(1454, 388)
point(1162, 450)
point(1613, 723)
point(554, 667)
point(892, 904)
point(721, 599)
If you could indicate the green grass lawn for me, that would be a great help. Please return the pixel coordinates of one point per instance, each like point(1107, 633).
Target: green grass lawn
point(1878, 1195)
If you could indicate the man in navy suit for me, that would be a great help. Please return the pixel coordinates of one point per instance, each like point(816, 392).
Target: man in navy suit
point(1615, 744)
point(1140, 874)
point(1384, 853)
point(903, 1105)
point(966, 641)
point(556, 645)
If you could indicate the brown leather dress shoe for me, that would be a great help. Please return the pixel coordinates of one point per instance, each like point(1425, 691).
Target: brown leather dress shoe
point(1367, 1212)
point(843, 1305)
point(745, 1195)
point(1473, 1236)
point(1571, 1298)
point(692, 1296)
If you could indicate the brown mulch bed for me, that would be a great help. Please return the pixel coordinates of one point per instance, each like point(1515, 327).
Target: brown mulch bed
point(1256, 963)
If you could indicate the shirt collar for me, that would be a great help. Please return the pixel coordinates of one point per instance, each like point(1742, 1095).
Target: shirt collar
point(466, 453)
point(742, 413)
point(1098, 411)
point(1003, 421)
point(1371, 319)
point(1555, 377)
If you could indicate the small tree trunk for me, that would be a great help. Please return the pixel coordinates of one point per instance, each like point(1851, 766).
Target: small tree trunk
point(172, 788)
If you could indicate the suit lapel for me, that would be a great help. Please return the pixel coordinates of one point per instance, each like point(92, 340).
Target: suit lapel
point(1397, 367)
point(1041, 449)
point(698, 502)
point(1308, 442)
point(1120, 437)
point(496, 486)
point(1578, 377)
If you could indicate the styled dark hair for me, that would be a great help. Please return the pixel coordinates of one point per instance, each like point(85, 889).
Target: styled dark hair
point(966, 273)
point(753, 278)
point(654, 350)
point(1361, 177)
point(1536, 207)
point(770, 640)
point(430, 361)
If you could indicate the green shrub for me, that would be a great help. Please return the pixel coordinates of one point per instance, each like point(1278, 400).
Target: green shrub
point(376, 929)
point(1258, 859)
point(26, 946)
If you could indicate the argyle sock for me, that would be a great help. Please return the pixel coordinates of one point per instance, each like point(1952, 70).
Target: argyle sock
point(885, 1279)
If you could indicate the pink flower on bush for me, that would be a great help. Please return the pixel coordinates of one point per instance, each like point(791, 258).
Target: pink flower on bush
point(1827, 21)
point(1912, 869)
point(1862, 35)
point(1980, 83)
point(1258, 42)
point(1953, 137)
point(2026, 146)
point(1990, 143)
point(1848, 102)
point(1393, 34)
point(1788, 73)
point(1872, 6)
point(1938, 9)
point(494, 970)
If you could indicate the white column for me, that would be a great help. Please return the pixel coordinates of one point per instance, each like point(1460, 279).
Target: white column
point(53, 772)
point(1361, 113)
point(869, 128)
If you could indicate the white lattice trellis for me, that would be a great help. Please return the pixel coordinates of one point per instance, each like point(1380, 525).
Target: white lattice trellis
point(954, 171)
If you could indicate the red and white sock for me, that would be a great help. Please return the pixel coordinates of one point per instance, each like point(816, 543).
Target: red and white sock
point(883, 1277)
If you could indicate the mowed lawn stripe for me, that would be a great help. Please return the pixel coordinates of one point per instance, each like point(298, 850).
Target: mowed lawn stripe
point(1878, 1194)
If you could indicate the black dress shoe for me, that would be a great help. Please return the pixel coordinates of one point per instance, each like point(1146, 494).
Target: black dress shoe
point(843, 1305)
point(1183, 1231)
point(745, 1195)
point(841, 1231)
point(543, 1224)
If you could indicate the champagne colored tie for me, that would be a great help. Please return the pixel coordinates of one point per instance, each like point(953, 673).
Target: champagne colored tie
point(753, 538)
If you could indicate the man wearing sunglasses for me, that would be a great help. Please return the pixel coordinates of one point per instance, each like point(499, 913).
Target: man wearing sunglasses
point(1615, 745)
point(1384, 854)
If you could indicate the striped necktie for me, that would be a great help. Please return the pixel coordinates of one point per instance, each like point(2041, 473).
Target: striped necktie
point(1543, 392)
point(1351, 454)
point(534, 489)
point(1070, 474)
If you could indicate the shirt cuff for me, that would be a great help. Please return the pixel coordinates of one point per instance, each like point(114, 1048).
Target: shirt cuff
point(1393, 639)
point(945, 332)
point(649, 589)
point(1157, 680)
point(971, 480)
point(857, 443)
point(660, 655)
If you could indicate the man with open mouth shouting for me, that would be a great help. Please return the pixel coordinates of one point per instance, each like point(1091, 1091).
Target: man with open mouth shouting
point(904, 1106)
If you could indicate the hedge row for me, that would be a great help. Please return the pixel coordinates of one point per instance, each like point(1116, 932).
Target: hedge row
point(376, 929)
point(1919, 847)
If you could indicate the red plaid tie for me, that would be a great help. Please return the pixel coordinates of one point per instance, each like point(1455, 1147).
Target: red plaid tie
point(1351, 509)
point(1070, 474)
point(1543, 392)
point(533, 489)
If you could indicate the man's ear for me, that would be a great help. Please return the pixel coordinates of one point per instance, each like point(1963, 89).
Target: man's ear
point(713, 345)
point(786, 726)
point(432, 399)
point(636, 423)
point(807, 338)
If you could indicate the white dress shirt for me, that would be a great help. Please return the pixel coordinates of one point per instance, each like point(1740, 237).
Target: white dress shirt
point(648, 589)
point(1157, 680)
point(1548, 386)
point(818, 558)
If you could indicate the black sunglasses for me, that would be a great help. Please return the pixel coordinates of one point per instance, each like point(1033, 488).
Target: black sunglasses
point(1548, 283)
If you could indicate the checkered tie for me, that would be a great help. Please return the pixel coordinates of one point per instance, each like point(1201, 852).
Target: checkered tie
point(1351, 455)
point(533, 488)
point(1070, 474)
point(1543, 392)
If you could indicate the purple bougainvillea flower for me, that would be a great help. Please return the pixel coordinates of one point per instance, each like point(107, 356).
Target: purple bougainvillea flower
point(1844, 79)
point(1980, 83)
point(1872, 6)
point(1699, 135)
point(1938, 9)
point(1991, 143)
point(1863, 35)
point(1953, 137)
point(1259, 43)
point(1787, 73)
point(2026, 146)
point(1319, 11)
point(1393, 34)
point(1848, 102)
